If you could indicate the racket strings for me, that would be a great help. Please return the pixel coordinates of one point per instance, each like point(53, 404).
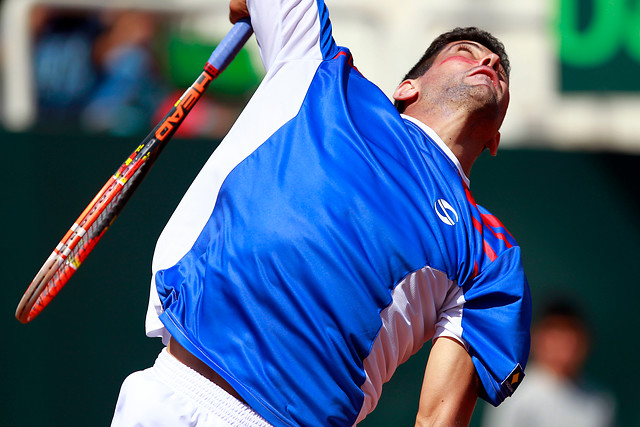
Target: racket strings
point(82, 249)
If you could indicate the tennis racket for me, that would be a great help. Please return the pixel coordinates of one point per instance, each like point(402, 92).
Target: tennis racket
point(91, 225)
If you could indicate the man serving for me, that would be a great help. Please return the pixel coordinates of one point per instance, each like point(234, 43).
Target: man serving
point(330, 236)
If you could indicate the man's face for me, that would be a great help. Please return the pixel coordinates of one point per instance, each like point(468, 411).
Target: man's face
point(468, 74)
point(560, 345)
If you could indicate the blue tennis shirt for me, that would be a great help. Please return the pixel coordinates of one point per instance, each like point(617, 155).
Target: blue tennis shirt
point(328, 238)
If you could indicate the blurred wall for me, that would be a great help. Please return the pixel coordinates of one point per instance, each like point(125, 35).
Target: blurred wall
point(575, 215)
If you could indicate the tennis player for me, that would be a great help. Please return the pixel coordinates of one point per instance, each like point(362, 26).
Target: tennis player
point(330, 236)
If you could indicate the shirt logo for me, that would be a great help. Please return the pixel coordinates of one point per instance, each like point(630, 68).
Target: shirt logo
point(514, 379)
point(445, 212)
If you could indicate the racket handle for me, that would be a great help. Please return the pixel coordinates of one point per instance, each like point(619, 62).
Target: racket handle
point(229, 46)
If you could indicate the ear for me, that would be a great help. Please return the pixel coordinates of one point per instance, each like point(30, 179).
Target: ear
point(407, 91)
point(493, 143)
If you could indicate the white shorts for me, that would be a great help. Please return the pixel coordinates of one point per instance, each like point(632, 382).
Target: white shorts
point(172, 394)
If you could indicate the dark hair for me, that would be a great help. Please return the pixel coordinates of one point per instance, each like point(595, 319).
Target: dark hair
point(565, 310)
point(457, 34)
point(562, 307)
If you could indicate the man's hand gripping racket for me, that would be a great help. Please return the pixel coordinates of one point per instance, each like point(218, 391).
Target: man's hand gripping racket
point(85, 233)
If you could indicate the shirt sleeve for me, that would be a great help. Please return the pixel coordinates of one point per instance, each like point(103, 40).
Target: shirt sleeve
point(496, 323)
point(289, 30)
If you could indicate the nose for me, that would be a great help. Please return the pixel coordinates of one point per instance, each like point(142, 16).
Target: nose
point(491, 60)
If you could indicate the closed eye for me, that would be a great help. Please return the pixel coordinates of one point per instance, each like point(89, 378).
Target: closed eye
point(466, 48)
point(502, 74)
point(476, 53)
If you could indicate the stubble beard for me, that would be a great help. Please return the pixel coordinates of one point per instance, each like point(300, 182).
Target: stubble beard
point(479, 101)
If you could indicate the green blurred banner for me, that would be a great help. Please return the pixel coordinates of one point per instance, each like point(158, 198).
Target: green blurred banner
point(599, 45)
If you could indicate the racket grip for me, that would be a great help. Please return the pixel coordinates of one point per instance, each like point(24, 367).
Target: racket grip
point(230, 45)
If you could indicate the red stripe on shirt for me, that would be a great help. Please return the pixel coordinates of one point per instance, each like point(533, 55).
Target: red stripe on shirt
point(491, 222)
point(489, 251)
point(349, 60)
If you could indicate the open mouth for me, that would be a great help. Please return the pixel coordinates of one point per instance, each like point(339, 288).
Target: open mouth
point(489, 73)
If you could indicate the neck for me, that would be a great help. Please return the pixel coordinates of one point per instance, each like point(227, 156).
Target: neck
point(465, 136)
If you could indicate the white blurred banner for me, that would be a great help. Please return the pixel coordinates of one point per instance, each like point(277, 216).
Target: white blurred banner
point(575, 63)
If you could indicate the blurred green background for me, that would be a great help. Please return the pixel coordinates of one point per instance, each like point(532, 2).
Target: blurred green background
point(575, 215)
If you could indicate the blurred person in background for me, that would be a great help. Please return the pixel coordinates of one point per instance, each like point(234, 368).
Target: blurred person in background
point(65, 73)
point(102, 71)
point(555, 393)
point(95, 70)
point(126, 94)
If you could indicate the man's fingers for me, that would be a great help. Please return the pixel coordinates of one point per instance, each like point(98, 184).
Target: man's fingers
point(237, 9)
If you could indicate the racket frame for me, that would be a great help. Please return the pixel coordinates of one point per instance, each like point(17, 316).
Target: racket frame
point(98, 216)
